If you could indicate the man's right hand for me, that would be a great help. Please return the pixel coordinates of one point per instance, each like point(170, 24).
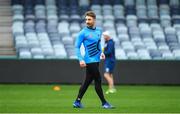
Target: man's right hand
point(82, 64)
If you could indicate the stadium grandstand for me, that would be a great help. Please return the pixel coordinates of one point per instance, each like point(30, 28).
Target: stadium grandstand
point(41, 29)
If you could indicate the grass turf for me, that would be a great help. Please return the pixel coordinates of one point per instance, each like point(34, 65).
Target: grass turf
point(128, 99)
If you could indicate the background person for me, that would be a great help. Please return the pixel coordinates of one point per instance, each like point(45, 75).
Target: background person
point(109, 64)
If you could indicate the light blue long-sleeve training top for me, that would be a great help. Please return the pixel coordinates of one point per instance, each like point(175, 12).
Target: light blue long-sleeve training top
point(91, 41)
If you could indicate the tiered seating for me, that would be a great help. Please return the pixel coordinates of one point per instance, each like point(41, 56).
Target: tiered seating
point(141, 29)
point(46, 28)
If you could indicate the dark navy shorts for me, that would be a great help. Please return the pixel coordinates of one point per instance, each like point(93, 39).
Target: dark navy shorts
point(109, 67)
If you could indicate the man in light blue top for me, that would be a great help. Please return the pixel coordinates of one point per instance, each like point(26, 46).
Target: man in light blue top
point(90, 37)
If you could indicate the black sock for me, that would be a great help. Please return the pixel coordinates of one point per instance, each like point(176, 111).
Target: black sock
point(78, 100)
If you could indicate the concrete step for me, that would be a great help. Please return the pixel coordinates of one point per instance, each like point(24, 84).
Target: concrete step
point(5, 29)
point(7, 51)
point(6, 40)
point(6, 24)
point(6, 19)
point(5, 14)
point(6, 44)
point(5, 2)
point(5, 10)
point(5, 7)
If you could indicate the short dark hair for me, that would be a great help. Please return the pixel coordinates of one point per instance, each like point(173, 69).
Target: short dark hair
point(91, 14)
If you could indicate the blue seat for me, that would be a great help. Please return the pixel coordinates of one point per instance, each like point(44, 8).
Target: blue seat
point(130, 10)
point(107, 2)
point(95, 2)
point(16, 2)
point(175, 10)
point(83, 9)
point(176, 20)
point(155, 54)
point(39, 2)
point(162, 2)
point(24, 53)
point(117, 2)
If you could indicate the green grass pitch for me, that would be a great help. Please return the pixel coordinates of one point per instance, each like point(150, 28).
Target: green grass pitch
point(128, 99)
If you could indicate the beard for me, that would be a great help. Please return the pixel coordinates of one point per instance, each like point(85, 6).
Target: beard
point(90, 25)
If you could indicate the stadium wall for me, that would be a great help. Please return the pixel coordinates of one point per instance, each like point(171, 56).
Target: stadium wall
point(68, 72)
